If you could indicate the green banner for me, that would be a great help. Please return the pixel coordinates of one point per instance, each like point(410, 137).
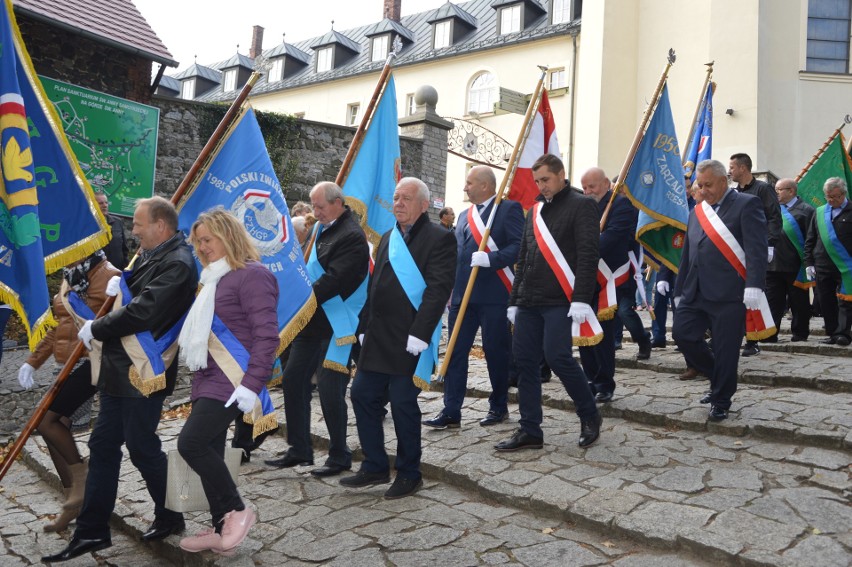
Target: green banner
point(114, 139)
point(834, 162)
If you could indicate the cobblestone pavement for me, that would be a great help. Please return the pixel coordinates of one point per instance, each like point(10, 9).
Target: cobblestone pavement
point(662, 486)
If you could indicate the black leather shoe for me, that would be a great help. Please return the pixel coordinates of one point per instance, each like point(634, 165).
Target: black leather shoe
point(441, 421)
point(717, 413)
point(78, 547)
point(772, 339)
point(590, 430)
point(329, 470)
point(162, 529)
point(829, 340)
point(520, 440)
point(798, 339)
point(705, 399)
point(363, 478)
point(842, 340)
point(493, 418)
point(658, 344)
point(751, 350)
point(644, 351)
point(403, 487)
point(287, 461)
point(603, 397)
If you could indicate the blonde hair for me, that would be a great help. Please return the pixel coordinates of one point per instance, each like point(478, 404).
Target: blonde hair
point(239, 248)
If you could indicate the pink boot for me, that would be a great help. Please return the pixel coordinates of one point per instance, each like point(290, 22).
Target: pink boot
point(202, 541)
point(236, 526)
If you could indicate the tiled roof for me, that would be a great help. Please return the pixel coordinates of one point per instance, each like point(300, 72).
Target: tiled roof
point(196, 70)
point(482, 37)
point(114, 22)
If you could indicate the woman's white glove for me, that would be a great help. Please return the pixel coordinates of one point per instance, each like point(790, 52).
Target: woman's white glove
point(811, 273)
point(245, 398)
point(85, 334)
point(415, 346)
point(480, 259)
point(580, 312)
point(113, 286)
point(751, 297)
point(511, 313)
point(25, 376)
point(663, 287)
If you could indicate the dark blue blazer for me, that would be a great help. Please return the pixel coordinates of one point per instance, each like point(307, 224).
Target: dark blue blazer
point(506, 231)
point(704, 273)
point(619, 235)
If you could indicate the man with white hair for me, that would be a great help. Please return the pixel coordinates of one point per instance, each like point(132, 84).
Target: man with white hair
point(828, 257)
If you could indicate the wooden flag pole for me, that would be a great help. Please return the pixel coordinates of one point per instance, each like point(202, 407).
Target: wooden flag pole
point(508, 177)
point(702, 101)
point(188, 180)
point(640, 133)
point(824, 147)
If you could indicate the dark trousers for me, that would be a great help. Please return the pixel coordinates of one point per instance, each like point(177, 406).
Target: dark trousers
point(306, 356)
point(201, 443)
point(627, 318)
point(547, 331)
point(726, 321)
point(496, 343)
point(781, 292)
point(370, 392)
point(599, 360)
point(130, 421)
point(661, 312)
point(836, 314)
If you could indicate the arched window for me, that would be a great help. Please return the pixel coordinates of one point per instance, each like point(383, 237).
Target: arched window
point(482, 94)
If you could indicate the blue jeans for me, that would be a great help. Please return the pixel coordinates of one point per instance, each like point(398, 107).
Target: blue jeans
point(547, 331)
point(130, 421)
point(495, 342)
point(370, 392)
point(306, 356)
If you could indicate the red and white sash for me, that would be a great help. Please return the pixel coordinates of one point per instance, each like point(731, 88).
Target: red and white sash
point(589, 332)
point(477, 229)
point(759, 323)
point(607, 302)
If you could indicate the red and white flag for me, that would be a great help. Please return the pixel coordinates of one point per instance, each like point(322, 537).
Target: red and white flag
point(541, 140)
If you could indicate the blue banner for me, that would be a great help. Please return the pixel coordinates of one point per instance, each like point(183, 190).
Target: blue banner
point(241, 179)
point(654, 183)
point(371, 182)
point(701, 145)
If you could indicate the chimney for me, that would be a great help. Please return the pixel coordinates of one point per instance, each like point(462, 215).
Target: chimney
point(393, 9)
point(256, 42)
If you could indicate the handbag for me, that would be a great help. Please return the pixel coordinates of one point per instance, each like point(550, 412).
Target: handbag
point(184, 492)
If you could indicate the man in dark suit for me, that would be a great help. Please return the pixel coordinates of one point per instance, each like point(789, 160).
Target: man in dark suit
point(488, 299)
point(739, 169)
point(713, 293)
point(781, 286)
point(410, 286)
point(554, 287)
point(617, 240)
point(835, 217)
point(116, 251)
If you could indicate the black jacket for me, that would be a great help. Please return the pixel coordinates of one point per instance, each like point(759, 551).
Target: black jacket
point(163, 289)
point(388, 317)
point(116, 250)
point(815, 253)
point(572, 219)
point(764, 191)
point(343, 253)
point(786, 257)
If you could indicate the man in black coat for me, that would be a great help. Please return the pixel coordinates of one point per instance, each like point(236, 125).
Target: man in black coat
point(836, 311)
point(162, 283)
point(116, 251)
point(411, 283)
point(543, 306)
point(343, 254)
point(739, 170)
point(781, 287)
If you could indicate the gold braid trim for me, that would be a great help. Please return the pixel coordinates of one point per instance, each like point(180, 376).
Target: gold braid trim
point(588, 341)
point(760, 335)
point(607, 313)
point(297, 323)
point(260, 426)
point(805, 285)
point(76, 251)
point(149, 386)
point(421, 383)
point(275, 381)
point(336, 366)
point(343, 341)
point(841, 296)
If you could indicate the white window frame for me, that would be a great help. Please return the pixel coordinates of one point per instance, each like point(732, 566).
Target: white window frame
point(410, 104)
point(276, 72)
point(187, 89)
point(561, 11)
point(482, 93)
point(380, 44)
point(557, 79)
point(229, 80)
point(325, 59)
point(352, 113)
point(443, 34)
point(510, 19)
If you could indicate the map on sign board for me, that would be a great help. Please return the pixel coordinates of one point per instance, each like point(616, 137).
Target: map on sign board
point(114, 139)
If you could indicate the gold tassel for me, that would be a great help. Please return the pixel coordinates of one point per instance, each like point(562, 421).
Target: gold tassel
point(297, 323)
point(336, 366)
point(760, 335)
point(805, 285)
point(77, 252)
point(149, 386)
point(343, 341)
point(421, 383)
point(607, 313)
point(588, 341)
point(274, 382)
point(264, 424)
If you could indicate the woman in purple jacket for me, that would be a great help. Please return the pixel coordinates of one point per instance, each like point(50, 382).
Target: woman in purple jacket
point(233, 314)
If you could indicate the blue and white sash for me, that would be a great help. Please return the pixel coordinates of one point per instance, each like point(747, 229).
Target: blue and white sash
point(412, 282)
point(81, 312)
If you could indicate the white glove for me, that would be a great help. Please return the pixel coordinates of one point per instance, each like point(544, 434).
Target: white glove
point(480, 259)
point(771, 254)
point(663, 287)
point(511, 313)
point(361, 339)
point(751, 297)
point(677, 301)
point(811, 273)
point(85, 334)
point(113, 285)
point(580, 312)
point(25, 376)
point(415, 346)
point(245, 398)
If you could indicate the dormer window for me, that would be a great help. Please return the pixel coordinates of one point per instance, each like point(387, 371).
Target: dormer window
point(276, 73)
point(443, 33)
point(187, 89)
point(379, 50)
point(566, 11)
point(324, 59)
point(230, 80)
point(510, 19)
